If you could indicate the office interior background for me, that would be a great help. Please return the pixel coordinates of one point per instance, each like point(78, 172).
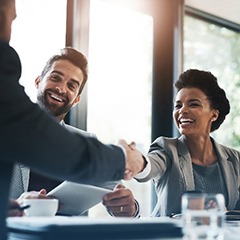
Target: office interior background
point(136, 50)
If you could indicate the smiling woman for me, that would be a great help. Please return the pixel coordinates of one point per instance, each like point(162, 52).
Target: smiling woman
point(194, 161)
point(201, 50)
point(193, 112)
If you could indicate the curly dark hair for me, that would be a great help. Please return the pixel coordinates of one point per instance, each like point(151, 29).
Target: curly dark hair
point(206, 82)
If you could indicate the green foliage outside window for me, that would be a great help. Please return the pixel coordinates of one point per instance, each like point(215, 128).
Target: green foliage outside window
point(216, 49)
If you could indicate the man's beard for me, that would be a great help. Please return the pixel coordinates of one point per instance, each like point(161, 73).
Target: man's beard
point(52, 108)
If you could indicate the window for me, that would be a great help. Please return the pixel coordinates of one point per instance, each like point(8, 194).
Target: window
point(36, 43)
point(120, 76)
point(216, 48)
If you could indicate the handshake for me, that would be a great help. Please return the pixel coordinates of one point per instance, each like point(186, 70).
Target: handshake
point(135, 162)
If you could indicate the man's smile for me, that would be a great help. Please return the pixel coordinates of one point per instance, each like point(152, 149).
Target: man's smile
point(56, 98)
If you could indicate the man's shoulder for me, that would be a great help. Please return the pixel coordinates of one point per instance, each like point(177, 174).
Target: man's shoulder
point(4, 46)
point(229, 152)
point(78, 131)
point(7, 50)
point(9, 59)
point(166, 141)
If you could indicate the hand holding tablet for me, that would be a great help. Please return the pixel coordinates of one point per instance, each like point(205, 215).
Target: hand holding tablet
point(75, 199)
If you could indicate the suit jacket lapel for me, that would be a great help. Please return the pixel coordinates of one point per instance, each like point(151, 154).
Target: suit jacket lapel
point(185, 164)
point(227, 172)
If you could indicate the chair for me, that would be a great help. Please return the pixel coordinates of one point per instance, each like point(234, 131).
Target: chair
point(5, 181)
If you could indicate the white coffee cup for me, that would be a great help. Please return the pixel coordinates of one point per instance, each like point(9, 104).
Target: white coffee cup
point(41, 207)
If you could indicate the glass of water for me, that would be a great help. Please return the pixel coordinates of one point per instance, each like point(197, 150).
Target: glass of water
point(203, 216)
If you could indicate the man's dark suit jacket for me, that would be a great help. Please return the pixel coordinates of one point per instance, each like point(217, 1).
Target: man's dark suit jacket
point(30, 136)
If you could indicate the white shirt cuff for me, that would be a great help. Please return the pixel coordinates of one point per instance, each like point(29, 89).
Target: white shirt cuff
point(145, 172)
point(137, 213)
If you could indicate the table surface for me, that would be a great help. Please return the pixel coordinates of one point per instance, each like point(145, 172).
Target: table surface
point(231, 229)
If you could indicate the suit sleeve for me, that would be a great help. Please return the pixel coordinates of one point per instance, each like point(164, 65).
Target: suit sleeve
point(32, 137)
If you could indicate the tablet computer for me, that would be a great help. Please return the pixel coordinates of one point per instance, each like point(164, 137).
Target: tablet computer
point(75, 198)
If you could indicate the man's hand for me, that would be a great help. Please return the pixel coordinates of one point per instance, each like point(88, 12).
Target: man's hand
point(13, 209)
point(120, 202)
point(135, 162)
point(42, 194)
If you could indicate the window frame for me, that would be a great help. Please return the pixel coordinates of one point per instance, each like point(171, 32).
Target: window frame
point(167, 58)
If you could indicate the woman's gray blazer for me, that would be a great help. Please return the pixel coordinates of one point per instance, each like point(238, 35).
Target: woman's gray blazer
point(172, 173)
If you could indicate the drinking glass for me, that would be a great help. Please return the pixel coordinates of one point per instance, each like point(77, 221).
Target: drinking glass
point(203, 216)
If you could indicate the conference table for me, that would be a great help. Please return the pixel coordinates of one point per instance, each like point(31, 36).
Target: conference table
point(76, 228)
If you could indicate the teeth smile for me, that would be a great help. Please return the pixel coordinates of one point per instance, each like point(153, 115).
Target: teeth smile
point(56, 98)
point(185, 120)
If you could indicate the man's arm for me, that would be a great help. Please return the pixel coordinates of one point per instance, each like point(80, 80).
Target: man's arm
point(135, 162)
point(32, 137)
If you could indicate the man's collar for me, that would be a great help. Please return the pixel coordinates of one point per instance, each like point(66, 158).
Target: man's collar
point(62, 123)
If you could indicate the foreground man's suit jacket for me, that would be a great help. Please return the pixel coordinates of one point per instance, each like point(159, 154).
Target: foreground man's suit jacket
point(32, 137)
point(21, 173)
